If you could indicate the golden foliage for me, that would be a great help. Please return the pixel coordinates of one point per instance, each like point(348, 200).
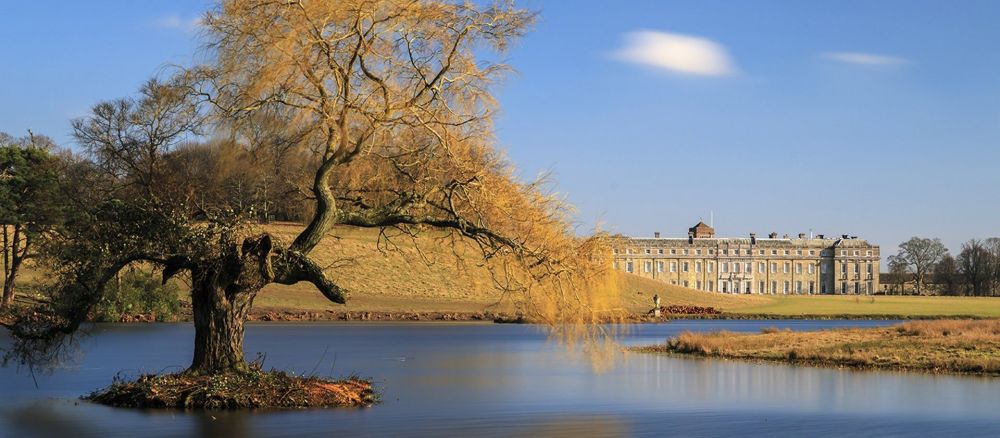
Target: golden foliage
point(394, 100)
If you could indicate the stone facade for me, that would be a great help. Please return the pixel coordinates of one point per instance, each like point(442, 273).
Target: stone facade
point(799, 265)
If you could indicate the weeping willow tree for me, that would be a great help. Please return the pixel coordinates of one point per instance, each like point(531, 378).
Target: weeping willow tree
point(392, 102)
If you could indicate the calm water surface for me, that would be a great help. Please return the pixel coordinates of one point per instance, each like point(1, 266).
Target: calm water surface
point(504, 380)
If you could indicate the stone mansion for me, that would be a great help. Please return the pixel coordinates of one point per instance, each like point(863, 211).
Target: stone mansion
point(753, 265)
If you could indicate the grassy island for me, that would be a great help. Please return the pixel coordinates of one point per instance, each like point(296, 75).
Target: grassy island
point(954, 346)
point(255, 389)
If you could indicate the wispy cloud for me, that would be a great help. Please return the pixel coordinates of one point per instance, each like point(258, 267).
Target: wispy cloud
point(863, 58)
point(677, 53)
point(177, 22)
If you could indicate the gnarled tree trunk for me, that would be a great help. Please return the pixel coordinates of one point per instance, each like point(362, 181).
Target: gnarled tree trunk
point(218, 327)
point(221, 298)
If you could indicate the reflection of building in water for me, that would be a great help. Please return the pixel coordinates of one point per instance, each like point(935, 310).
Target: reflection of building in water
point(772, 265)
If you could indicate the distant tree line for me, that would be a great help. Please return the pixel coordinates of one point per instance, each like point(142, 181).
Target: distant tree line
point(931, 269)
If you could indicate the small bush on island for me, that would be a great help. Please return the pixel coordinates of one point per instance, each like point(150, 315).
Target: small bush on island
point(939, 346)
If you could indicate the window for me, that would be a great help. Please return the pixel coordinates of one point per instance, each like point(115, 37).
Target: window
point(736, 267)
point(843, 267)
point(697, 252)
point(698, 285)
point(798, 268)
point(760, 287)
point(711, 251)
point(843, 252)
point(711, 267)
point(823, 287)
point(748, 252)
point(673, 266)
point(673, 251)
point(647, 251)
point(711, 286)
point(685, 267)
point(810, 267)
point(869, 253)
point(647, 267)
point(843, 287)
point(812, 287)
point(786, 286)
point(748, 287)
point(761, 252)
point(697, 268)
point(798, 252)
point(774, 287)
point(786, 267)
point(822, 268)
point(614, 251)
point(774, 252)
point(870, 287)
point(685, 252)
point(749, 268)
point(774, 267)
point(685, 283)
point(659, 266)
point(761, 268)
point(857, 268)
point(628, 266)
point(811, 252)
point(659, 251)
point(856, 252)
point(725, 267)
point(857, 288)
point(786, 252)
point(869, 268)
point(798, 287)
point(725, 286)
point(725, 252)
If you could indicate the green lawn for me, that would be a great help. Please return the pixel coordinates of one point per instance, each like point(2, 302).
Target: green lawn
point(876, 305)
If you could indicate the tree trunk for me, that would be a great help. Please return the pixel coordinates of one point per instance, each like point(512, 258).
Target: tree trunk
point(8, 289)
point(220, 312)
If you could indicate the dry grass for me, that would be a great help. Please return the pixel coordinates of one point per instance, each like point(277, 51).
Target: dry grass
point(953, 346)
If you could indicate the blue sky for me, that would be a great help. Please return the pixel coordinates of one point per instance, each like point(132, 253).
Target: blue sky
point(874, 118)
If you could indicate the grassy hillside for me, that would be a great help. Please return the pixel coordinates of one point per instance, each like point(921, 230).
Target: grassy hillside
point(423, 274)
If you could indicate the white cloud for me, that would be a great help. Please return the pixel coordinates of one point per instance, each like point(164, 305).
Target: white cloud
point(677, 53)
point(863, 58)
point(177, 23)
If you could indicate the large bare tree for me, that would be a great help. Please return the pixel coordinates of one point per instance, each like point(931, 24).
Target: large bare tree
point(390, 99)
point(920, 255)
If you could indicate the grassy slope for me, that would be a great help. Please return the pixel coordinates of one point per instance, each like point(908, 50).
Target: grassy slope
point(422, 275)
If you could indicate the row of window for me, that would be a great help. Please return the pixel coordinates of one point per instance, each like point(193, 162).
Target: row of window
point(786, 287)
point(736, 267)
point(774, 252)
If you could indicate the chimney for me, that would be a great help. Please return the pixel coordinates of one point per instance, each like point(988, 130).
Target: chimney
point(821, 236)
point(802, 235)
point(773, 235)
point(656, 234)
point(690, 237)
point(753, 238)
point(843, 236)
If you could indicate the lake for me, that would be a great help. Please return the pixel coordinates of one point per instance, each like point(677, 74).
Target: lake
point(465, 379)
